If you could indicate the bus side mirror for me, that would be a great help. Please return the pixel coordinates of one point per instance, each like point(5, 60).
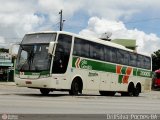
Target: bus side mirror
point(51, 47)
point(13, 50)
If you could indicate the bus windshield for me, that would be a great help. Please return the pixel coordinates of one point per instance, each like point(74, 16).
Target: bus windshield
point(33, 53)
point(33, 58)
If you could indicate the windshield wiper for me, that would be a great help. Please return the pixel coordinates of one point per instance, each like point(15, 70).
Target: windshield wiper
point(30, 58)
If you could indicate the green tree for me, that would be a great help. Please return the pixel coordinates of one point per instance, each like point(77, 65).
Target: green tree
point(156, 60)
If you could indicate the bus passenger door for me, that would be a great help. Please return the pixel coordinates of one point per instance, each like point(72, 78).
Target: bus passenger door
point(61, 60)
point(62, 54)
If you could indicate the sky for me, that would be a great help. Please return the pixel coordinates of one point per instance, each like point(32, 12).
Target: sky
point(125, 19)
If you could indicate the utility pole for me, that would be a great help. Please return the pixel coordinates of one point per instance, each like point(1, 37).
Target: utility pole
point(61, 22)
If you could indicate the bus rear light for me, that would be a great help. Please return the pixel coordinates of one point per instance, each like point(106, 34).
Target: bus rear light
point(28, 82)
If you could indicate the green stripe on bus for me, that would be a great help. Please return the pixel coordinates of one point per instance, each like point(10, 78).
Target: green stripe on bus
point(93, 65)
point(83, 63)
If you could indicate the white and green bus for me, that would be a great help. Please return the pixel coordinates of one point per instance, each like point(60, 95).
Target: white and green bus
point(63, 61)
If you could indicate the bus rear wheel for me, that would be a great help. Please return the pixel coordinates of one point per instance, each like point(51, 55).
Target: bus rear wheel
point(137, 90)
point(44, 91)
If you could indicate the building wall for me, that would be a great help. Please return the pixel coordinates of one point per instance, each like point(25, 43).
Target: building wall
point(128, 43)
point(6, 67)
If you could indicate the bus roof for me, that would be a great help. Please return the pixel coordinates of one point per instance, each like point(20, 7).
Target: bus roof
point(97, 40)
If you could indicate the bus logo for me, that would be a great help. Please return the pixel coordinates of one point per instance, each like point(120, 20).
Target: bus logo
point(77, 63)
point(82, 63)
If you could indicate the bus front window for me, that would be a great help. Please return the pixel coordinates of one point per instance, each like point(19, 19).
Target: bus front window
point(33, 58)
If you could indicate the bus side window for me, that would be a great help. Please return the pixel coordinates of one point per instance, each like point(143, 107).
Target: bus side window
point(77, 47)
point(138, 61)
point(96, 51)
point(92, 51)
point(81, 48)
point(147, 63)
point(113, 55)
point(85, 49)
point(142, 61)
point(133, 60)
point(107, 53)
point(120, 56)
point(126, 58)
point(101, 52)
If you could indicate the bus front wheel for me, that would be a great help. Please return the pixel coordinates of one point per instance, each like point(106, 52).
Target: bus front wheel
point(75, 88)
point(44, 91)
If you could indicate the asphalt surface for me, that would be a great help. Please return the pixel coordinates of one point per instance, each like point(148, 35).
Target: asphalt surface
point(29, 103)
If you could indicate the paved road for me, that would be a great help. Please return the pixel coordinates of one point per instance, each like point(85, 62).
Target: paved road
point(16, 100)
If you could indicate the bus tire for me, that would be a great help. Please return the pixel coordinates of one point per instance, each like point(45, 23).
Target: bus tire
point(44, 91)
point(74, 88)
point(130, 91)
point(137, 90)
